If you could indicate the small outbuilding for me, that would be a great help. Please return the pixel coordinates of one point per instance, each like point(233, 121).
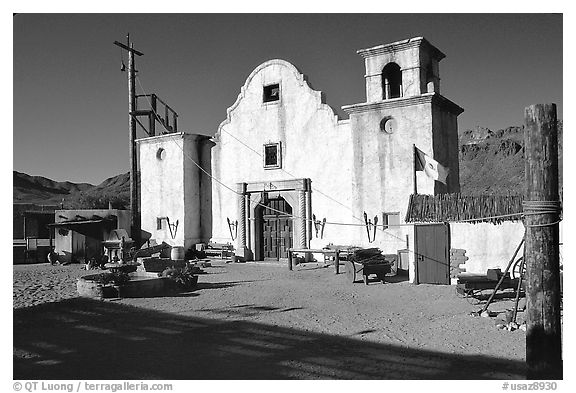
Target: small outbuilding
point(31, 234)
point(79, 234)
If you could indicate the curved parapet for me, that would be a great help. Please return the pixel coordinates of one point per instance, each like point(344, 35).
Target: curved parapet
point(298, 76)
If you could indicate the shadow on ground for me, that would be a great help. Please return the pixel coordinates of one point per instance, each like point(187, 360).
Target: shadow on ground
point(89, 339)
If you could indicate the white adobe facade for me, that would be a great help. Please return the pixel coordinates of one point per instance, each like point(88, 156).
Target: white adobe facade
point(330, 168)
point(174, 192)
point(281, 146)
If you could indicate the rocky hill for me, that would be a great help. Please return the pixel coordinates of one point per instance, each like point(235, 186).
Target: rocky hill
point(491, 162)
point(40, 190)
point(37, 188)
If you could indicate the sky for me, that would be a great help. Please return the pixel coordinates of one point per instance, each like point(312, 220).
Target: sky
point(70, 99)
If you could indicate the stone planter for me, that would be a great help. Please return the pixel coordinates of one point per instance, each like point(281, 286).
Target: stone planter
point(138, 286)
point(179, 288)
point(191, 286)
point(119, 290)
point(158, 265)
point(87, 287)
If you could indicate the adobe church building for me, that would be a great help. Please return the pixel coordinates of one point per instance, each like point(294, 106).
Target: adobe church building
point(283, 158)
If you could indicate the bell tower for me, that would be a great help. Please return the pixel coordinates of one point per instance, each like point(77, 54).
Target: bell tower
point(401, 69)
point(403, 109)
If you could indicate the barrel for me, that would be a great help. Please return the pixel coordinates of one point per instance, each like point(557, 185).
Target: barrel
point(177, 253)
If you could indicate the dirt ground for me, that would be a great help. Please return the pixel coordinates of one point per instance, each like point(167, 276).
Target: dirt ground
point(257, 321)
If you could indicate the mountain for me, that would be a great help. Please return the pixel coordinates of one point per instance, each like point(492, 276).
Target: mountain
point(40, 190)
point(491, 162)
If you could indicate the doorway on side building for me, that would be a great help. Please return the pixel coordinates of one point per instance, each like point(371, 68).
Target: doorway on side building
point(432, 253)
point(277, 228)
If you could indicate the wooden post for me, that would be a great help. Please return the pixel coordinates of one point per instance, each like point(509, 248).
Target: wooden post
point(337, 262)
point(414, 169)
point(153, 115)
point(25, 241)
point(541, 252)
point(167, 119)
point(134, 195)
point(134, 202)
point(309, 212)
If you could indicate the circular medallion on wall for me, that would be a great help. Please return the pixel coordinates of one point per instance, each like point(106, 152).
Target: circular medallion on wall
point(388, 125)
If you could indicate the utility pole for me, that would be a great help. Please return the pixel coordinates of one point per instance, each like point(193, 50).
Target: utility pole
point(134, 194)
point(541, 251)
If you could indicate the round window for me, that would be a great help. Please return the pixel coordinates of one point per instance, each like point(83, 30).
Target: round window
point(161, 154)
point(388, 125)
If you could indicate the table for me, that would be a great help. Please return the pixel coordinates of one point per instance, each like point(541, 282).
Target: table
point(336, 252)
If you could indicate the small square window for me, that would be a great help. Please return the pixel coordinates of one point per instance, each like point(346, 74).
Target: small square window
point(159, 223)
point(272, 156)
point(271, 93)
point(390, 219)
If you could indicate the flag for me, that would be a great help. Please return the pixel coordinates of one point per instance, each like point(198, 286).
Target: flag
point(430, 166)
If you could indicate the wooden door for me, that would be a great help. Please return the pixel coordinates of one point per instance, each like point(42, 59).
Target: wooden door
point(78, 247)
point(270, 238)
point(277, 229)
point(432, 253)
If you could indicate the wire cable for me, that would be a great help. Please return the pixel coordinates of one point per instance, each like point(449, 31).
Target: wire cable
point(535, 209)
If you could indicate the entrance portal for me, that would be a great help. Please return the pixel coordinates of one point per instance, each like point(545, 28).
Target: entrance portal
point(276, 228)
point(267, 227)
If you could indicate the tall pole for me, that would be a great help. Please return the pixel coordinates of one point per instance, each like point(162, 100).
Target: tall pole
point(134, 202)
point(134, 194)
point(541, 252)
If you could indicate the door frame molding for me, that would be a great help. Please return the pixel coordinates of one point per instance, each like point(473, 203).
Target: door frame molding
point(293, 191)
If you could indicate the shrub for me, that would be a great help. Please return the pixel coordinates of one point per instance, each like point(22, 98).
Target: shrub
point(184, 277)
point(115, 278)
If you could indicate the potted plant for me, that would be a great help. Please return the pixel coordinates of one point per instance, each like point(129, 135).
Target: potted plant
point(184, 278)
point(113, 280)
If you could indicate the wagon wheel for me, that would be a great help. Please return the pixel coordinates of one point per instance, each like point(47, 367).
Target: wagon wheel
point(350, 271)
point(471, 298)
point(519, 268)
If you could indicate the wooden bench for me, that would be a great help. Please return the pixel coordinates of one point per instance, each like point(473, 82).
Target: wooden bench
point(325, 252)
point(219, 250)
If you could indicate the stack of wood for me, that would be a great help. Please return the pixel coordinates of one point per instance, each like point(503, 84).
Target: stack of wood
point(368, 256)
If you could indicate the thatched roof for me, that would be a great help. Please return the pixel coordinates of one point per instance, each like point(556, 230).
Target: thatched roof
point(458, 208)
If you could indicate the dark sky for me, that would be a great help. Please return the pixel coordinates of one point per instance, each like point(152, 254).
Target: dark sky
point(70, 98)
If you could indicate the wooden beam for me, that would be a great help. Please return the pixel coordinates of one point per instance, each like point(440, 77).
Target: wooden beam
point(153, 115)
point(541, 252)
point(121, 45)
point(142, 125)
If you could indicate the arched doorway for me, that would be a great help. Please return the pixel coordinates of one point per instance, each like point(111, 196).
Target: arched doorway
point(277, 228)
